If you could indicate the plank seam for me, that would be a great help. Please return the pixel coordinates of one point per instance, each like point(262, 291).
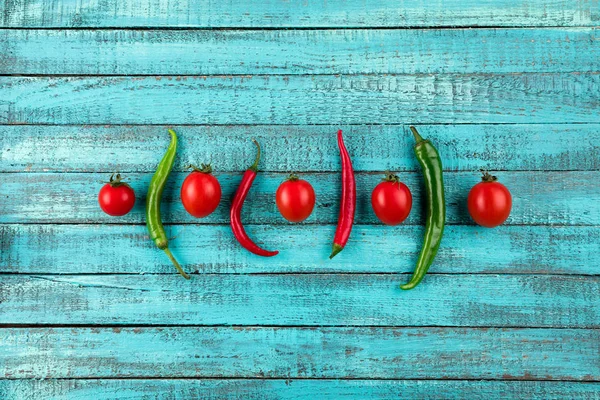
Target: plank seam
point(300, 327)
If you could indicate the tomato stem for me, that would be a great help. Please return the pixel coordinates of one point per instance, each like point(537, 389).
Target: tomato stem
point(390, 177)
point(204, 168)
point(487, 177)
point(293, 177)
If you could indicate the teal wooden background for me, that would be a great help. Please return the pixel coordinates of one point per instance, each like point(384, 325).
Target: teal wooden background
point(89, 309)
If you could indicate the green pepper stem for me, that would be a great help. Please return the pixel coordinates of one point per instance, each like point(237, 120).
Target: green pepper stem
point(254, 167)
point(176, 264)
point(418, 137)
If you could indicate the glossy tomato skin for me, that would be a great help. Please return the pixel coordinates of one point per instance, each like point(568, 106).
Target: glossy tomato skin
point(391, 202)
point(200, 194)
point(116, 199)
point(295, 199)
point(489, 203)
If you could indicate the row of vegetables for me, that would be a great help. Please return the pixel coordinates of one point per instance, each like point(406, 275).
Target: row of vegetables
point(489, 202)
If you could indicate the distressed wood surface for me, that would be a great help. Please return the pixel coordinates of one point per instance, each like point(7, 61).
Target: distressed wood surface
point(57, 249)
point(302, 99)
point(283, 14)
point(567, 197)
point(90, 87)
point(207, 52)
point(403, 353)
point(556, 147)
point(301, 299)
point(293, 389)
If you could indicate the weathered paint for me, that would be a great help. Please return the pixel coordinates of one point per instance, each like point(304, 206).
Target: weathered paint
point(124, 148)
point(90, 249)
point(503, 96)
point(568, 197)
point(301, 299)
point(283, 14)
point(403, 353)
point(206, 52)
point(302, 99)
point(292, 389)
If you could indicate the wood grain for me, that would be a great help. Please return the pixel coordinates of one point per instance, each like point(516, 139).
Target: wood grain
point(292, 389)
point(556, 147)
point(402, 353)
point(312, 99)
point(91, 249)
point(301, 299)
point(283, 14)
point(209, 52)
point(541, 198)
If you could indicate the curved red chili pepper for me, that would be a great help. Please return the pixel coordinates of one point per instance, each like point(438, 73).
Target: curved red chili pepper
point(348, 202)
point(236, 209)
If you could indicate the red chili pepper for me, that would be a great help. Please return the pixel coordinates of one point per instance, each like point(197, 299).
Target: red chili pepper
point(348, 202)
point(236, 209)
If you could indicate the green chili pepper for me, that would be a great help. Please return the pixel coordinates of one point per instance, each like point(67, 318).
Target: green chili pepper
point(431, 164)
point(157, 184)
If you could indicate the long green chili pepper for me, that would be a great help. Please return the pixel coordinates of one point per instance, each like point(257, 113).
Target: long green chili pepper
point(157, 184)
point(431, 164)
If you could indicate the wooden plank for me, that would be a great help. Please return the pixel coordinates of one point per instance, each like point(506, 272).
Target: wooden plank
point(402, 353)
point(202, 52)
point(554, 198)
point(75, 249)
point(301, 299)
point(276, 13)
point(33, 148)
point(290, 389)
point(302, 99)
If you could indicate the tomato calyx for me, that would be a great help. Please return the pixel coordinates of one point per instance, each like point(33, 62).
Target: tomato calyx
point(292, 178)
point(204, 168)
point(390, 177)
point(487, 177)
point(116, 180)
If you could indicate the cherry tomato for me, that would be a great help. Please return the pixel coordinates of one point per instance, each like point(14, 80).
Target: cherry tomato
point(489, 202)
point(201, 192)
point(116, 198)
point(295, 199)
point(391, 200)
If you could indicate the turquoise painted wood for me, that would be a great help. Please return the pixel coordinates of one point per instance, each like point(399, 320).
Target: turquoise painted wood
point(89, 309)
point(284, 14)
point(232, 352)
point(568, 197)
point(293, 389)
point(303, 99)
point(529, 249)
point(301, 300)
point(555, 147)
point(209, 52)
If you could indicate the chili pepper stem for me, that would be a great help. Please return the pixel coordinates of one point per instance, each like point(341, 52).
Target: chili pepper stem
point(176, 264)
point(336, 249)
point(254, 167)
point(415, 133)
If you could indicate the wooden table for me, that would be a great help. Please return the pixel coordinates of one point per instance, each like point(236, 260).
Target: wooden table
point(90, 309)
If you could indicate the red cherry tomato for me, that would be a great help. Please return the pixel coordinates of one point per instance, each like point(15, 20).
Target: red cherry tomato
point(489, 202)
point(201, 192)
point(295, 199)
point(116, 198)
point(391, 200)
